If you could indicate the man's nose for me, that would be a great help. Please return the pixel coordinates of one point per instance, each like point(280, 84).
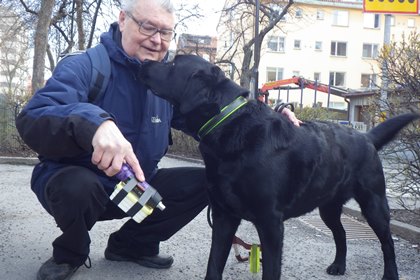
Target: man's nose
point(156, 37)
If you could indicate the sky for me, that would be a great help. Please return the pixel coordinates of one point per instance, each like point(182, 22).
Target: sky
point(208, 24)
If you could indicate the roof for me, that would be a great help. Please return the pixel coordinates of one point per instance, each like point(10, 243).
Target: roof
point(361, 93)
point(355, 4)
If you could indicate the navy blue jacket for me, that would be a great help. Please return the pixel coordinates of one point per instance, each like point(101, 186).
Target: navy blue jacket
point(59, 123)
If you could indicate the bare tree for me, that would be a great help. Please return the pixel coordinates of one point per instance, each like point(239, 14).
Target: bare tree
point(60, 26)
point(41, 41)
point(238, 17)
point(14, 75)
point(186, 13)
point(402, 70)
point(63, 25)
point(14, 53)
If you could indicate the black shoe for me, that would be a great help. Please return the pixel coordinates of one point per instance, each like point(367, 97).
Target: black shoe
point(50, 270)
point(153, 262)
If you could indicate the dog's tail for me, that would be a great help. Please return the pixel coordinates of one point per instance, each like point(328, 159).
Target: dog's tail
point(386, 131)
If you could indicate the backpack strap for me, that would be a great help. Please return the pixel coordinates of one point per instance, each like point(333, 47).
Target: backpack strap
point(101, 71)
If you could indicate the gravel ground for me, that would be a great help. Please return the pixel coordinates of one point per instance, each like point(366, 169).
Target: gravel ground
point(26, 233)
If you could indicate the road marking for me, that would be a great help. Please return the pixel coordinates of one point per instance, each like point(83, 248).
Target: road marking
point(355, 230)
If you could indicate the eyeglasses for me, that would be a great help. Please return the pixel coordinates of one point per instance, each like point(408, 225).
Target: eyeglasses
point(150, 30)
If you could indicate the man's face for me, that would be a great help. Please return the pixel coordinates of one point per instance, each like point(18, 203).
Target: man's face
point(137, 44)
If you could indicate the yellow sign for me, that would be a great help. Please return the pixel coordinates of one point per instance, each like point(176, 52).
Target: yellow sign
point(391, 6)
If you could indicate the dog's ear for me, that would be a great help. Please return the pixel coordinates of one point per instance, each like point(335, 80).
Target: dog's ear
point(203, 81)
point(218, 75)
point(193, 98)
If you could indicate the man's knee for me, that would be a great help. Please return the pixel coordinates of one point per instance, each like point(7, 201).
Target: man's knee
point(74, 189)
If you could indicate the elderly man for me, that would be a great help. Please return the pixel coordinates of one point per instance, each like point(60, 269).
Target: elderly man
point(82, 145)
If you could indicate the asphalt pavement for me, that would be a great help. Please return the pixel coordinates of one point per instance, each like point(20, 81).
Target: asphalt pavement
point(26, 233)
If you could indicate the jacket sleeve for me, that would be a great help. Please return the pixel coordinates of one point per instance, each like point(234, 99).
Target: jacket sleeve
point(58, 121)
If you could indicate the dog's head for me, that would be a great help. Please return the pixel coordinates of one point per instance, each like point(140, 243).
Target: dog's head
point(190, 82)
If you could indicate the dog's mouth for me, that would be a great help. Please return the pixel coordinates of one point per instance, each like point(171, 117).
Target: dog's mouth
point(145, 74)
point(155, 68)
point(150, 74)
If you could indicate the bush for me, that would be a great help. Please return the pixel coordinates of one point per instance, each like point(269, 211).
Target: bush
point(184, 145)
point(318, 113)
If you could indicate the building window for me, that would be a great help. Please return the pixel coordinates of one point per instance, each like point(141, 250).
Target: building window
point(284, 18)
point(337, 79)
point(411, 22)
point(337, 105)
point(318, 45)
point(392, 20)
point(274, 74)
point(276, 43)
point(340, 18)
point(317, 76)
point(338, 48)
point(296, 44)
point(370, 20)
point(370, 50)
point(298, 13)
point(320, 15)
point(368, 81)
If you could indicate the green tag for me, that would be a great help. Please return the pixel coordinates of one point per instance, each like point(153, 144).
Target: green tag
point(254, 259)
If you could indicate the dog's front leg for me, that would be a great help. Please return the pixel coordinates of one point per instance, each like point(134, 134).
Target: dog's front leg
point(224, 228)
point(271, 233)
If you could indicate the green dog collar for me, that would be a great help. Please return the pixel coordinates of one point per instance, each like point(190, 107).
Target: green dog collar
point(223, 115)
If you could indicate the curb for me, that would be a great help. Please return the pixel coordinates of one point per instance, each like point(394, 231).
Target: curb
point(193, 160)
point(19, 160)
point(406, 231)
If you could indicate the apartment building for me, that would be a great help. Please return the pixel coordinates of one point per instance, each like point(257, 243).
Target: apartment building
point(330, 41)
point(204, 46)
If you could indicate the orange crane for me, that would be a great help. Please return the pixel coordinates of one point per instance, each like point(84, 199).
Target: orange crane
point(301, 83)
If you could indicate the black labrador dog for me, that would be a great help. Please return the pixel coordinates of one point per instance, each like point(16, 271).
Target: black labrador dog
point(263, 169)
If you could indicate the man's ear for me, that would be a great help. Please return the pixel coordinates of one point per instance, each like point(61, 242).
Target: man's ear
point(121, 20)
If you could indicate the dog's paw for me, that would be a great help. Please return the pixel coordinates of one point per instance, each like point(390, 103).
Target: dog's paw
point(336, 269)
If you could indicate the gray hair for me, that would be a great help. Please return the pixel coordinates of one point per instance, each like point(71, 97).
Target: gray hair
point(128, 5)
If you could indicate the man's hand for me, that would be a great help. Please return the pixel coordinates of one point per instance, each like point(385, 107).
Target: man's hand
point(111, 150)
point(292, 117)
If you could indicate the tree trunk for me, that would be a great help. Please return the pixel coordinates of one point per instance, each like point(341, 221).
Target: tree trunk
point(40, 43)
point(79, 23)
point(246, 72)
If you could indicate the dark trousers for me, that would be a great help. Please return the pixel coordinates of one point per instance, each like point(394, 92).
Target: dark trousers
point(77, 200)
